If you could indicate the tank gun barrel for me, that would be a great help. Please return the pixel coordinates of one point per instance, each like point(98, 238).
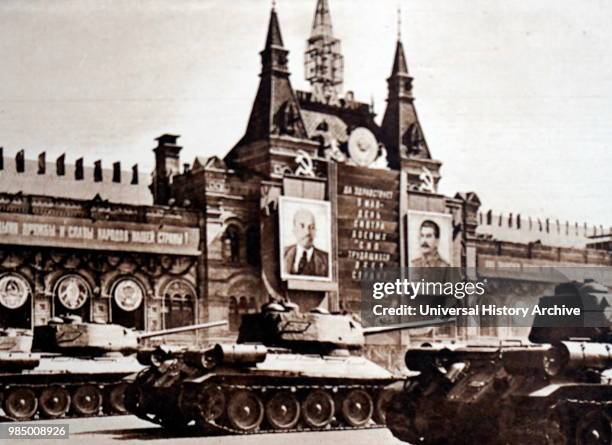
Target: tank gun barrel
point(408, 325)
point(193, 327)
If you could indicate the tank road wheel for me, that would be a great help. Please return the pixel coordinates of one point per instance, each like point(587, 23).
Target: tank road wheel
point(87, 400)
point(380, 409)
point(133, 399)
point(283, 411)
point(116, 399)
point(594, 428)
point(245, 411)
point(357, 407)
point(20, 403)
point(54, 402)
point(318, 409)
point(210, 404)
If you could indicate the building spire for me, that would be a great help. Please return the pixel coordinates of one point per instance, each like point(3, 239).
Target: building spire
point(274, 37)
point(276, 110)
point(323, 60)
point(399, 22)
point(401, 127)
point(322, 24)
point(399, 61)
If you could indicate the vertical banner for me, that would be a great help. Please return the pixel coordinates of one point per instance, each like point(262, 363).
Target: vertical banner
point(368, 227)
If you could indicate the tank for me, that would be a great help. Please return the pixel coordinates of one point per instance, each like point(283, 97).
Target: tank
point(70, 368)
point(555, 388)
point(288, 371)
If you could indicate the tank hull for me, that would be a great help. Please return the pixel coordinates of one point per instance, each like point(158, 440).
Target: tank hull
point(485, 397)
point(61, 386)
point(286, 391)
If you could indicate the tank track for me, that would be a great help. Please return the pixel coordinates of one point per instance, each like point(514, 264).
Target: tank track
point(222, 425)
point(95, 408)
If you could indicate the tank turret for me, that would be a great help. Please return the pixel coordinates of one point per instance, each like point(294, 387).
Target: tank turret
point(71, 336)
point(317, 331)
point(15, 350)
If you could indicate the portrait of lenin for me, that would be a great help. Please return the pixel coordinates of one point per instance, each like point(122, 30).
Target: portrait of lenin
point(305, 251)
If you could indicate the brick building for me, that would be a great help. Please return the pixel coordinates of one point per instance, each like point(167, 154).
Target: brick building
point(229, 232)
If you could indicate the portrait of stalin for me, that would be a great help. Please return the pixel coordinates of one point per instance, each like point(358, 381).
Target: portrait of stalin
point(429, 238)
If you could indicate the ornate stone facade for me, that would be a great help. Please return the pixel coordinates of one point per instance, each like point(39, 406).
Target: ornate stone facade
point(319, 147)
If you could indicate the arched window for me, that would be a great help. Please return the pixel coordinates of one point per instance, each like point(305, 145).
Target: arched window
point(252, 308)
point(72, 296)
point(231, 243)
point(127, 306)
point(179, 303)
point(237, 307)
point(15, 302)
point(245, 296)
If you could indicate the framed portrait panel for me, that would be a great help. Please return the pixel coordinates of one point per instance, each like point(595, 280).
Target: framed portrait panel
point(429, 239)
point(305, 239)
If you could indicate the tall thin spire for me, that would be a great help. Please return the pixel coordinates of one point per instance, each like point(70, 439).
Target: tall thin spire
point(399, 61)
point(323, 61)
point(399, 22)
point(322, 24)
point(274, 37)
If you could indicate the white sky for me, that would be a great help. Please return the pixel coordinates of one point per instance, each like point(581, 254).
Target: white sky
point(514, 96)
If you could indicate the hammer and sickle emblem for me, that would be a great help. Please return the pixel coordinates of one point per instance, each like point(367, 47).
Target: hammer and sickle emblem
point(304, 163)
point(428, 184)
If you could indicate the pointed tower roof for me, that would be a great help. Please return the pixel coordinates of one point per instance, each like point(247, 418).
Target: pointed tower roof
point(322, 24)
point(274, 37)
point(401, 127)
point(399, 61)
point(276, 110)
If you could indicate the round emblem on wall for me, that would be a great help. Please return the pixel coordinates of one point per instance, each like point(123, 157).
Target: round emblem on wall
point(14, 291)
point(73, 292)
point(128, 295)
point(362, 146)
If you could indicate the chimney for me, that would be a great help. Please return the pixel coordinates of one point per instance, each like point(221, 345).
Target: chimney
point(98, 171)
point(134, 174)
point(117, 172)
point(78, 170)
point(42, 163)
point(60, 165)
point(167, 164)
point(20, 161)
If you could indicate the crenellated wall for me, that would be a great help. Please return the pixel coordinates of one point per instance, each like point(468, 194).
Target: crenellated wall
point(517, 228)
point(73, 180)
